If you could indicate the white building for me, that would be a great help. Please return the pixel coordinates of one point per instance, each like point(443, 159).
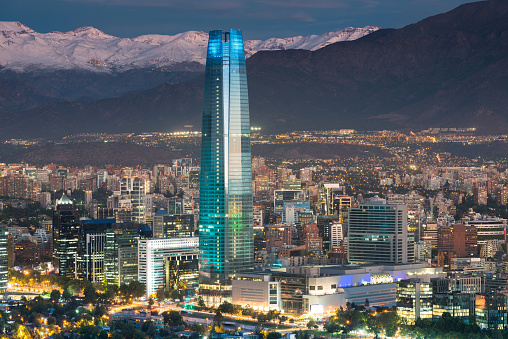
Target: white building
point(155, 257)
point(257, 291)
point(336, 234)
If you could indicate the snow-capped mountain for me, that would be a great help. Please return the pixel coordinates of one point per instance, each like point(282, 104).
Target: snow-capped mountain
point(22, 48)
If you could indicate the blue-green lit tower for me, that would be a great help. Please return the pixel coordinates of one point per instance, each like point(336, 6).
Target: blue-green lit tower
point(225, 201)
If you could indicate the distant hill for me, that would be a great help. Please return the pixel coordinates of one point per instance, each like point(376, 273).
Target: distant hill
point(449, 70)
point(97, 154)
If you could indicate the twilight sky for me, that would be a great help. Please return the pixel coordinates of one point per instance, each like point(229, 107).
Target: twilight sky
point(259, 19)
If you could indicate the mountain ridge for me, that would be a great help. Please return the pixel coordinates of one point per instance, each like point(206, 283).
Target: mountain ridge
point(91, 49)
point(449, 70)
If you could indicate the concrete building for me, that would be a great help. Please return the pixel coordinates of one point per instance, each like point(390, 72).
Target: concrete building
point(323, 289)
point(378, 233)
point(258, 291)
point(164, 263)
point(456, 241)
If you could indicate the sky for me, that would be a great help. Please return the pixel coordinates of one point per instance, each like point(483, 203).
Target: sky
point(258, 19)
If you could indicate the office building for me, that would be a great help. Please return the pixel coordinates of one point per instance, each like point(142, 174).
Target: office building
point(91, 243)
point(456, 241)
point(324, 224)
point(378, 233)
point(226, 206)
point(328, 192)
point(456, 303)
point(134, 188)
point(65, 236)
point(121, 253)
point(172, 225)
point(488, 228)
point(258, 291)
point(414, 300)
point(170, 263)
point(490, 310)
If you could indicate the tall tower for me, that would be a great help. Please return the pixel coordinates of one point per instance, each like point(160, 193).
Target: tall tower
point(65, 236)
point(226, 211)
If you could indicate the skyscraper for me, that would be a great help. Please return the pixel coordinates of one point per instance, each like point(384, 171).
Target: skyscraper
point(65, 236)
point(226, 209)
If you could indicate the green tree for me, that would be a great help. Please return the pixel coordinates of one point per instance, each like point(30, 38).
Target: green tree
point(150, 303)
point(226, 307)
point(311, 324)
point(201, 302)
point(90, 294)
point(66, 295)
point(55, 295)
point(273, 335)
point(160, 295)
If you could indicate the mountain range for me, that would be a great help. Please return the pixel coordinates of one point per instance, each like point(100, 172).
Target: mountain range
point(449, 70)
point(23, 49)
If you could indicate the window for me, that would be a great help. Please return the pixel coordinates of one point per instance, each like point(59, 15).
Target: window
point(312, 288)
point(320, 288)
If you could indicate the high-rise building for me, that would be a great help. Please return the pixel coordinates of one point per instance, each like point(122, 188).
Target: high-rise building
point(456, 241)
point(91, 243)
point(378, 233)
point(134, 187)
point(4, 257)
point(65, 236)
point(226, 207)
point(121, 253)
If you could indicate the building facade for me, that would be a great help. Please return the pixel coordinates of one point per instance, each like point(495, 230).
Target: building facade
point(226, 206)
point(121, 253)
point(168, 263)
point(378, 233)
point(65, 237)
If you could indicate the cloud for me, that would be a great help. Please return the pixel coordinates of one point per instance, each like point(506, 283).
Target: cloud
point(304, 17)
point(187, 4)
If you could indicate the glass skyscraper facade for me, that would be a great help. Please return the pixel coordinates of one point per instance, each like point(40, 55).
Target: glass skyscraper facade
point(225, 203)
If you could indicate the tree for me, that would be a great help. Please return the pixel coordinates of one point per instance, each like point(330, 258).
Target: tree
point(226, 307)
point(218, 318)
point(67, 295)
point(201, 302)
point(150, 303)
point(367, 304)
point(273, 335)
point(149, 328)
point(90, 294)
point(311, 324)
point(55, 295)
point(51, 321)
point(160, 295)
point(282, 319)
point(173, 318)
